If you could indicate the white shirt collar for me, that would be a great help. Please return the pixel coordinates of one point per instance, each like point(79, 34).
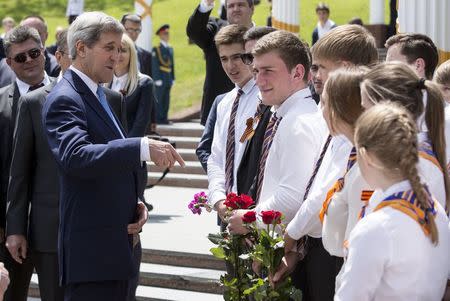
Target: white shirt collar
point(284, 108)
point(397, 187)
point(164, 43)
point(118, 82)
point(86, 79)
point(248, 86)
point(24, 87)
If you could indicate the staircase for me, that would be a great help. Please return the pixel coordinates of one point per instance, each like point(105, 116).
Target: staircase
point(186, 135)
point(172, 276)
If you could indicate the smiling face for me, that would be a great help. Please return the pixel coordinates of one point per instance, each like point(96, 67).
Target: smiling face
point(99, 61)
point(32, 70)
point(276, 83)
point(239, 12)
point(230, 57)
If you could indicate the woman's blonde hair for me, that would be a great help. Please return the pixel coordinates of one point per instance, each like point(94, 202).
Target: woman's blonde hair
point(388, 132)
point(133, 71)
point(344, 95)
point(442, 74)
point(398, 82)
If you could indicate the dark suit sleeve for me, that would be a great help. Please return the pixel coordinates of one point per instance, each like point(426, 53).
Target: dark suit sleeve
point(145, 103)
point(201, 29)
point(22, 164)
point(315, 36)
point(204, 146)
point(65, 123)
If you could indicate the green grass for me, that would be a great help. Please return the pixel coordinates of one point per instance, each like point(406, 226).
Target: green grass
point(189, 62)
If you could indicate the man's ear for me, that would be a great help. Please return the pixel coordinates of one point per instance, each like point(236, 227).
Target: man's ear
point(299, 72)
point(347, 64)
point(419, 65)
point(81, 48)
point(8, 61)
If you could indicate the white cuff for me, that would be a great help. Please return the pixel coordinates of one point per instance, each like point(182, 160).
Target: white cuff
point(204, 7)
point(216, 197)
point(145, 149)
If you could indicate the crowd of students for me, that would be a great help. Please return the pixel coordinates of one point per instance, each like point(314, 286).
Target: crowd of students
point(361, 177)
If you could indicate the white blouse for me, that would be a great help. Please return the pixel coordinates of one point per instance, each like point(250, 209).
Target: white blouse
point(390, 258)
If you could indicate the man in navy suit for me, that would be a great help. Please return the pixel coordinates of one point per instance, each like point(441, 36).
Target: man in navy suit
point(99, 169)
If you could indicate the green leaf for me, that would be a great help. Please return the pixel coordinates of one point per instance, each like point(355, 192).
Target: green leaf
point(218, 252)
point(215, 238)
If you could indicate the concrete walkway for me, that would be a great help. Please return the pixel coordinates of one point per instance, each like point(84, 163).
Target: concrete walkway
point(172, 226)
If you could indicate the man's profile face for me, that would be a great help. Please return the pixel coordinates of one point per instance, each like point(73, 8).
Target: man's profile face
point(100, 60)
point(31, 70)
point(133, 29)
point(273, 78)
point(318, 85)
point(236, 70)
point(324, 67)
point(239, 12)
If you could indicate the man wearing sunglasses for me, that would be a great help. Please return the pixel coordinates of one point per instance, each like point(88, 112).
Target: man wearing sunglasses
point(24, 52)
point(37, 22)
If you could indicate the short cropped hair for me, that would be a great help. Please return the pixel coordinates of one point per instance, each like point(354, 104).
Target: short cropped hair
point(61, 41)
point(39, 17)
point(352, 43)
point(19, 35)
point(88, 28)
point(250, 3)
point(414, 46)
point(289, 48)
point(257, 32)
point(134, 18)
point(230, 34)
point(322, 6)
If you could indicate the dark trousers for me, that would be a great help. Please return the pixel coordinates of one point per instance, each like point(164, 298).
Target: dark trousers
point(163, 99)
point(115, 290)
point(46, 265)
point(134, 282)
point(316, 274)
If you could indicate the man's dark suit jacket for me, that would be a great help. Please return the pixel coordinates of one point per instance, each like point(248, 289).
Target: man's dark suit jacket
point(201, 29)
point(248, 167)
point(2, 50)
point(51, 65)
point(145, 60)
point(99, 184)
point(7, 76)
point(204, 146)
point(34, 174)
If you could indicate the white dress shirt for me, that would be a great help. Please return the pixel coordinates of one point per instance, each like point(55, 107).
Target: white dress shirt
point(306, 221)
point(248, 103)
point(390, 258)
point(118, 82)
point(343, 212)
point(145, 148)
point(294, 151)
point(24, 87)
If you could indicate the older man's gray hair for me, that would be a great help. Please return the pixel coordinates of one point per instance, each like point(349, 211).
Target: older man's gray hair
point(19, 35)
point(88, 27)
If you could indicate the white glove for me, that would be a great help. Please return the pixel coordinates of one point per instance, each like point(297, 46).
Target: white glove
point(158, 83)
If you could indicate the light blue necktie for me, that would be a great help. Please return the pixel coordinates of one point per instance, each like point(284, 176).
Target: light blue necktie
point(104, 103)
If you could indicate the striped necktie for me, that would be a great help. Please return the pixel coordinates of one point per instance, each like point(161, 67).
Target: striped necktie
point(267, 143)
point(252, 123)
point(229, 160)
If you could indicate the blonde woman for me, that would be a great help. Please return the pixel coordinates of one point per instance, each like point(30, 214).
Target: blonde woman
point(137, 88)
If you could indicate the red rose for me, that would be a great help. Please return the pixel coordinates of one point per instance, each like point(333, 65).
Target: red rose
point(232, 201)
point(249, 217)
point(271, 216)
point(245, 201)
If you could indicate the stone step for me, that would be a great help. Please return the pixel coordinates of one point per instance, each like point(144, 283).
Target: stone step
point(179, 180)
point(185, 142)
point(190, 168)
point(188, 154)
point(182, 259)
point(181, 278)
point(184, 129)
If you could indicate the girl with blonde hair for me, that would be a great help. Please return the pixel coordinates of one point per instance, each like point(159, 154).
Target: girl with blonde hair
point(400, 250)
point(137, 89)
point(398, 82)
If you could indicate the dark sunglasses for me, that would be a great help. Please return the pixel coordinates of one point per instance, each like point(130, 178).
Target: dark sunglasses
point(247, 58)
point(22, 57)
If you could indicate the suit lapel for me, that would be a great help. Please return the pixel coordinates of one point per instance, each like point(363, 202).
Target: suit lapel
point(91, 100)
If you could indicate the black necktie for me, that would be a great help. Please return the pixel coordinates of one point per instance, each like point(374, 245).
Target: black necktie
point(32, 88)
